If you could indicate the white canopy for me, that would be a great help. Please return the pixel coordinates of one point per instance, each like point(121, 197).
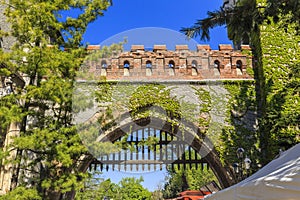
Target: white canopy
point(278, 180)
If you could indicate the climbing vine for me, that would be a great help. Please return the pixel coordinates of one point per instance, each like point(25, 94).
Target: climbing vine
point(204, 118)
point(241, 128)
point(281, 66)
point(151, 95)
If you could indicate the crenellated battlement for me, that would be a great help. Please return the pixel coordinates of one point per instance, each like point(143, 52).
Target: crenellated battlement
point(182, 63)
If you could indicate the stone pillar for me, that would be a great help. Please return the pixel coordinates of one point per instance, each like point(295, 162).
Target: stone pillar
point(6, 170)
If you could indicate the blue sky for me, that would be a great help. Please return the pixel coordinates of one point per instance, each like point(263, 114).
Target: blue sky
point(126, 15)
point(170, 15)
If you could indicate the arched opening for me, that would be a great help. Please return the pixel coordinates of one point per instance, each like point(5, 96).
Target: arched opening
point(171, 68)
point(169, 150)
point(239, 66)
point(148, 64)
point(171, 64)
point(126, 66)
point(166, 134)
point(194, 68)
point(103, 68)
point(148, 68)
point(217, 68)
point(103, 64)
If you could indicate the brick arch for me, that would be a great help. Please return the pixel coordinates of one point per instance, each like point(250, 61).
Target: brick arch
point(104, 63)
point(126, 64)
point(198, 141)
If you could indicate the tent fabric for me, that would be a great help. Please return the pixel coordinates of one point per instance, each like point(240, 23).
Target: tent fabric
point(278, 180)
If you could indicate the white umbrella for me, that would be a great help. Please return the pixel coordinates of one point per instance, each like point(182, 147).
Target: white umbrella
point(278, 180)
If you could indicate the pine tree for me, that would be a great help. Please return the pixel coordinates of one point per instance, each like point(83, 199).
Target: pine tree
point(45, 56)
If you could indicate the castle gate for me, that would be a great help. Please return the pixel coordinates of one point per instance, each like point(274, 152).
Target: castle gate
point(159, 107)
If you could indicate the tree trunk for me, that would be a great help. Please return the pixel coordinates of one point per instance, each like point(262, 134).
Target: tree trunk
point(260, 94)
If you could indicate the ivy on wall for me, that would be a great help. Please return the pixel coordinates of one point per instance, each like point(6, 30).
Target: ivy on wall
point(153, 95)
point(281, 64)
point(239, 109)
point(241, 129)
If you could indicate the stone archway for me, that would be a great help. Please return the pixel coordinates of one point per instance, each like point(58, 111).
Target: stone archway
point(117, 122)
point(197, 140)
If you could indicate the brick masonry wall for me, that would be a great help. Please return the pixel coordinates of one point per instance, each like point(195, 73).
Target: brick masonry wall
point(201, 64)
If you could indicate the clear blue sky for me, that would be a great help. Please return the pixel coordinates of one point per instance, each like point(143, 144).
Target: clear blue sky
point(126, 15)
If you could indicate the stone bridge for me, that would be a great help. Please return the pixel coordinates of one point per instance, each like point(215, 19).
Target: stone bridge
point(143, 83)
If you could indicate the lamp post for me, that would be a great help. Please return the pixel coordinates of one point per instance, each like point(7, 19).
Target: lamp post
point(247, 162)
point(244, 163)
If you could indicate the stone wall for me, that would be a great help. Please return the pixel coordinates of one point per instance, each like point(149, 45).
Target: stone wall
point(5, 42)
point(181, 64)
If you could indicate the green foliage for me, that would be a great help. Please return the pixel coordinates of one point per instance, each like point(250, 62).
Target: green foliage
point(48, 51)
point(22, 193)
point(95, 57)
point(245, 17)
point(89, 136)
point(157, 195)
point(240, 131)
point(282, 85)
point(31, 20)
point(9, 111)
point(205, 98)
point(250, 71)
point(239, 20)
point(97, 188)
point(83, 97)
point(271, 27)
point(105, 92)
point(152, 95)
point(131, 188)
point(106, 52)
point(190, 177)
point(127, 189)
point(287, 11)
point(186, 179)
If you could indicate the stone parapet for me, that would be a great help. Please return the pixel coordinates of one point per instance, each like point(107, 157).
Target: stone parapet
point(182, 64)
